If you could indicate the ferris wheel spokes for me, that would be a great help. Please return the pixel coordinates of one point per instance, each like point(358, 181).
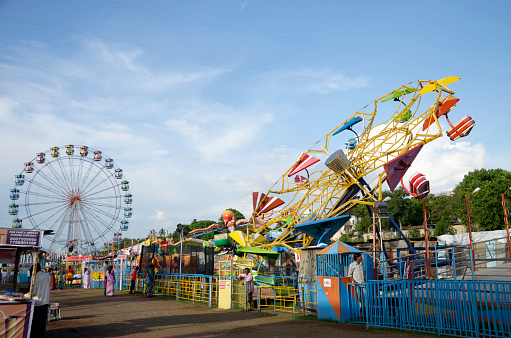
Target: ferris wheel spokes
point(41, 185)
point(114, 185)
point(43, 195)
point(99, 220)
point(55, 175)
point(86, 176)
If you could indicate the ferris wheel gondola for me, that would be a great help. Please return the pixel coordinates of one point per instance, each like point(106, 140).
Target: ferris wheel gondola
point(76, 195)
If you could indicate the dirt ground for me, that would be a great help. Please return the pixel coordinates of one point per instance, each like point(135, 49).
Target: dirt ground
point(87, 313)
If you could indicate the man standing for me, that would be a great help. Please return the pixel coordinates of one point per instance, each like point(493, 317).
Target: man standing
point(41, 295)
point(249, 284)
point(356, 270)
point(133, 279)
point(4, 276)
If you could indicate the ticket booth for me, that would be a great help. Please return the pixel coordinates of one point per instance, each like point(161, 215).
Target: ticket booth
point(229, 288)
point(338, 300)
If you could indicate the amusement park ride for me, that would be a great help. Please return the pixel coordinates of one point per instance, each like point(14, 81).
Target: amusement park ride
point(75, 191)
point(388, 134)
point(81, 196)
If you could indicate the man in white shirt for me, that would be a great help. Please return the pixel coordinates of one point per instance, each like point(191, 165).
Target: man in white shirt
point(249, 284)
point(356, 270)
point(4, 276)
point(41, 295)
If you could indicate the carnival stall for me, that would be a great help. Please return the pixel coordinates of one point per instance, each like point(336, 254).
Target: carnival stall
point(16, 307)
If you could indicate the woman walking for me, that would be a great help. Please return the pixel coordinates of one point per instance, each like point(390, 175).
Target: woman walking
point(52, 278)
point(69, 276)
point(110, 281)
point(149, 282)
point(86, 279)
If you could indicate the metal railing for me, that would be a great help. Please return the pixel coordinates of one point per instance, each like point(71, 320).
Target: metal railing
point(445, 307)
point(285, 294)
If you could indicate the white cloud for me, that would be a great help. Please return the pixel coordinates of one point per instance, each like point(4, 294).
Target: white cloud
point(216, 130)
point(445, 162)
point(315, 80)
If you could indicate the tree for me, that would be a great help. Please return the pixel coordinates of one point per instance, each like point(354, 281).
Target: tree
point(237, 215)
point(161, 233)
point(485, 206)
point(414, 233)
point(443, 227)
point(365, 221)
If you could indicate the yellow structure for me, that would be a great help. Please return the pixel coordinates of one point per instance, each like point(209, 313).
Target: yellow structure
point(229, 290)
point(385, 129)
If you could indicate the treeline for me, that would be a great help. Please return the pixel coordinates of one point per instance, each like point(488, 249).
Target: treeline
point(445, 210)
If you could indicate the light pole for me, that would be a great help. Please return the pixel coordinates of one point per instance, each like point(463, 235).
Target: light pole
point(505, 219)
point(180, 228)
point(183, 232)
point(469, 228)
point(426, 235)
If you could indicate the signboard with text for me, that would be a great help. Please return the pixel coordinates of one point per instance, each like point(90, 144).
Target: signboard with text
point(21, 238)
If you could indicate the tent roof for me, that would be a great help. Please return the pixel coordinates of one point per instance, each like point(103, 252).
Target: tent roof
point(337, 248)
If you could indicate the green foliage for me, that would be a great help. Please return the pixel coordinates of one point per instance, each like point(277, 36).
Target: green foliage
point(201, 225)
point(237, 215)
point(345, 238)
point(443, 227)
point(405, 210)
point(486, 205)
point(414, 233)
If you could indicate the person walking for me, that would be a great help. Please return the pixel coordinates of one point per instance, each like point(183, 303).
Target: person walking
point(149, 282)
point(249, 284)
point(110, 282)
point(41, 295)
point(133, 279)
point(86, 279)
point(52, 278)
point(4, 277)
point(62, 279)
point(69, 276)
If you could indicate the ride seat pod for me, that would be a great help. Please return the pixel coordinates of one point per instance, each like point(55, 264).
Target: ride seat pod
point(419, 185)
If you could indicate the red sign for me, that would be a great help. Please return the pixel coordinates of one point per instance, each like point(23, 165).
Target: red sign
point(222, 285)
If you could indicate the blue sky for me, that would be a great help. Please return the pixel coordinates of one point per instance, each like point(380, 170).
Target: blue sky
point(203, 102)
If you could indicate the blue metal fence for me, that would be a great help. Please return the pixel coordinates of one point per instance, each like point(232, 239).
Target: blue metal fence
point(455, 308)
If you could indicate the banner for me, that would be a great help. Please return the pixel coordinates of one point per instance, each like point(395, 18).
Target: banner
point(16, 319)
point(17, 237)
point(98, 276)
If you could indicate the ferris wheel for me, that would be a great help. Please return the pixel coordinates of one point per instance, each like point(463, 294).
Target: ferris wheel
point(75, 191)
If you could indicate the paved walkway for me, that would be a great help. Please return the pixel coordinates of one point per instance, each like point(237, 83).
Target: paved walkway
point(87, 313)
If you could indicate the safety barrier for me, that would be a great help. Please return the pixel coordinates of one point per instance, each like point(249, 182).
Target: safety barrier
point(456, 308)
point(195, 288)
point(296, 295)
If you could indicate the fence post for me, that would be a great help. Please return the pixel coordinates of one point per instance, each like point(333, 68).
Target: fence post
point(274, 300)
point(454, 262)
point(210, 290)
point(193, 290)
point(436, 261)
point(246, 297)
point(472, 262)
point(258, 300)
point(473, 297)
point(177, 291)
point(366, 298)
